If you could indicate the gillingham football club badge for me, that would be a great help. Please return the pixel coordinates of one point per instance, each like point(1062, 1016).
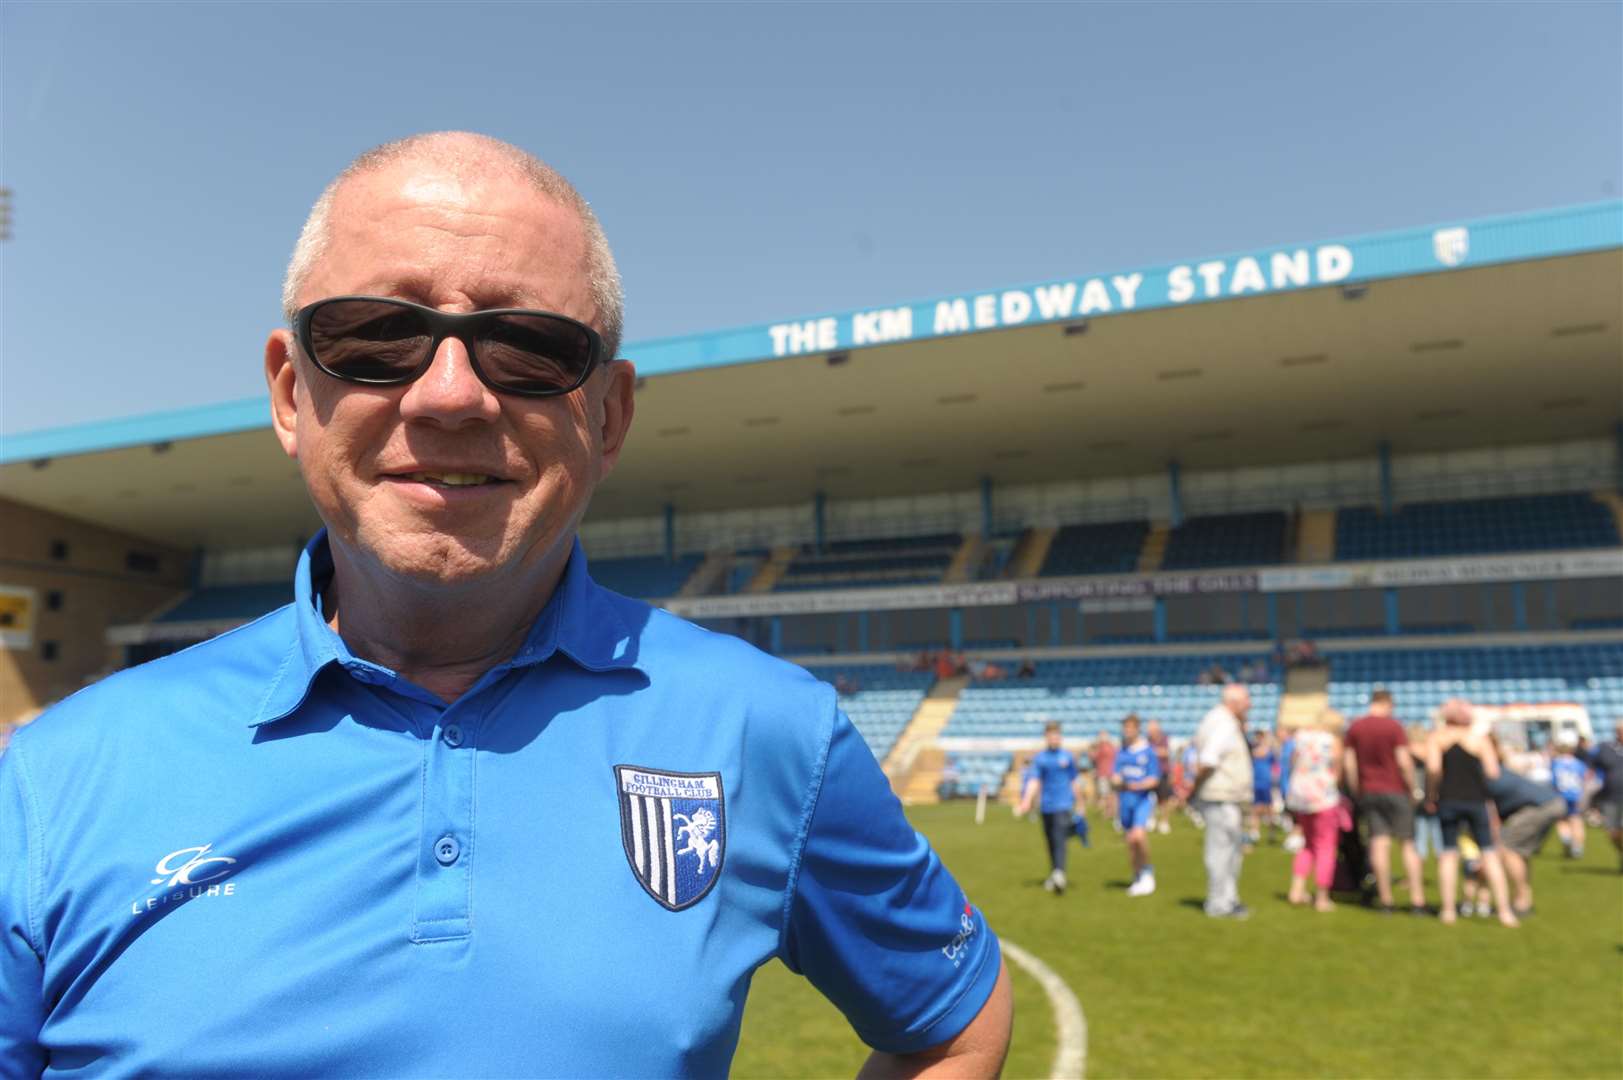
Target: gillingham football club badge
point(674, 828)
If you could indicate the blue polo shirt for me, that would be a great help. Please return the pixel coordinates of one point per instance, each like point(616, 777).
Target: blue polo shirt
point(265, 856)
point(1055, 771)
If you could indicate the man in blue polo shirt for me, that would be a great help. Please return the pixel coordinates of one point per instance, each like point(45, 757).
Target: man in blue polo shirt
point(457, 809)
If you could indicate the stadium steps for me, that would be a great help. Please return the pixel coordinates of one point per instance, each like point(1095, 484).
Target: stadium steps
point(1307, 679)
point(707, 575)
point(1155, 547)
point(1613, 501)
point(1030, 553)
point(1011, 783)
point(923, 782)
point(915, 774)
point(1316, 537)
point(1301, 710)
point(965, 559)
point(771, 572)
point(1307, 694)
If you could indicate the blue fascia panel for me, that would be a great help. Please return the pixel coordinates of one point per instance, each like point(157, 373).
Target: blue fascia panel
point(1432, 249)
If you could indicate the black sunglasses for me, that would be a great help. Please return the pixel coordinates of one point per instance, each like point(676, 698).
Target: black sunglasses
point(380, 341)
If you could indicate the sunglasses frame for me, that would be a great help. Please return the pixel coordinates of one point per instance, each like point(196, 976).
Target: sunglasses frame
point(464, 326)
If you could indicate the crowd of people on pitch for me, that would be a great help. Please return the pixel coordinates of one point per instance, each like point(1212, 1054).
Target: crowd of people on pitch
point(1339, 797)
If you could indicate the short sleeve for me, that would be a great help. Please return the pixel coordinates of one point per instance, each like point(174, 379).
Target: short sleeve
point(875, 921)
point(1211, 744)
point(22, 974)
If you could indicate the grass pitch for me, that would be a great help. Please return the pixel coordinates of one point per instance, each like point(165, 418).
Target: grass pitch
point(1290, 993)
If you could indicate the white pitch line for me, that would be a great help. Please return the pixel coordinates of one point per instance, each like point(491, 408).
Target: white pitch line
point(1070, 1026)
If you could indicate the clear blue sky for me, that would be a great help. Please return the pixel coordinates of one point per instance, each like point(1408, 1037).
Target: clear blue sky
point(752, 162)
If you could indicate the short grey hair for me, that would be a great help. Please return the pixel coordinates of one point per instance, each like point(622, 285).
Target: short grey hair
point(467, 150)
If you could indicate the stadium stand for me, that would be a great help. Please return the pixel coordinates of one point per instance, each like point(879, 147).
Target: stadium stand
point(1476, 527)
point(1256, 539)
point(1590, 675)
point(969, 774)
point(220, 603)
point(1089, 695)
point(871, 563)
point(879, 700)
point(649, 577)
point(1111, 548)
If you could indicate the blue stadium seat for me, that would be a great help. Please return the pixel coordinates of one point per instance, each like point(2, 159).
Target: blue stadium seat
point(1111, 548)
point(1256, 539)
point(650, 577)
point(1476, 527)
point(220, 603)
point(844, 564)
point(1420, 680)
point(1090, 695)
point(879, 700)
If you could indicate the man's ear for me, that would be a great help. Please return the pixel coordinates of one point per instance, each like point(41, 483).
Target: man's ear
point(619, 404)
point(282, 379)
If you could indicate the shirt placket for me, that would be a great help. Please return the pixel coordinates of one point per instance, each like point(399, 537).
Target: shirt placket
point(446, 841)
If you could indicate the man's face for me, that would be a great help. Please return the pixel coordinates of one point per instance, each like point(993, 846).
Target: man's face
point(1238, 699)
point(1053, 737)
point(372, 457)
point(1129, 732)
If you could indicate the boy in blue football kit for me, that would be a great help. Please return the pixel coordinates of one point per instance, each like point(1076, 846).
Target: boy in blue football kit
point(1137, 775)
point(1569, 775)
point(1053, 773)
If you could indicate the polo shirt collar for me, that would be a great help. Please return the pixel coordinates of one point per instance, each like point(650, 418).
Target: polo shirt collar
point(582, 620)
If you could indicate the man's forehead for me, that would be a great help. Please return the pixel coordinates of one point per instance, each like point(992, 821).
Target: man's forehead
point(429, 188)
point(396, 230)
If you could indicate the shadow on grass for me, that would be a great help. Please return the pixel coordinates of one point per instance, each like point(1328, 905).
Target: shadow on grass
point(1117, 883)
point(1590, 870)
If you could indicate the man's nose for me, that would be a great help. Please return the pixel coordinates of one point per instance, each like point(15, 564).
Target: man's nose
point(449, 392)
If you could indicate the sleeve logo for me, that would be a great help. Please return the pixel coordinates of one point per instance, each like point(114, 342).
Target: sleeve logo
point(673, 827)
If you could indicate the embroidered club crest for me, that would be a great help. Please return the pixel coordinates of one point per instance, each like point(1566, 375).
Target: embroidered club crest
point(674, 830)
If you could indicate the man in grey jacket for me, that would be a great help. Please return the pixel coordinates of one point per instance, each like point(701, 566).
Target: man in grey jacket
point(1222, 787)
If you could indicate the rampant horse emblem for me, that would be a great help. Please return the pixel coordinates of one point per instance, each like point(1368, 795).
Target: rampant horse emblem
point(674, 829)
point(698, 830)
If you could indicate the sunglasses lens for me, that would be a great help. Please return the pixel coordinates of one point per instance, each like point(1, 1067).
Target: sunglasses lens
point(531, 354)
point(369, 340)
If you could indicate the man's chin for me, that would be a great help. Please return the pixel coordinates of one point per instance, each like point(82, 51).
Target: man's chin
point(441, 561)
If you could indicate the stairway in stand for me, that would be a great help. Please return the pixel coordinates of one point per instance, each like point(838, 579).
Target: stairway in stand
point(1155, 547)
point(1030, 552)
point(914, 764)
point(1307, 694)
point(1316, 537)
point(771, 572)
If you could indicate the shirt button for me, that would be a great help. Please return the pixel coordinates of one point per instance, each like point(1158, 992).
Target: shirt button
point(446, 849)
point(452, 735)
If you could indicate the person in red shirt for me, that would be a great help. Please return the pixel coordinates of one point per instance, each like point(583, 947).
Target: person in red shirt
point(1104, 763)
point(1379, 771)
